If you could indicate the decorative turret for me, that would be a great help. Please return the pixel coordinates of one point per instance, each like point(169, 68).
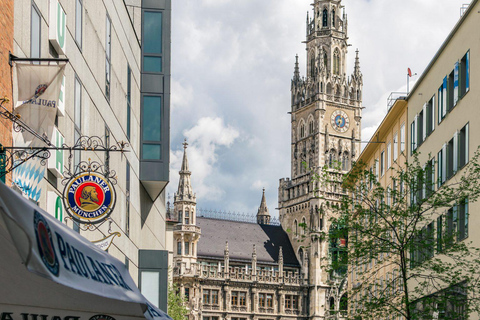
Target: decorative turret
point(185, 233)
point(263, 216)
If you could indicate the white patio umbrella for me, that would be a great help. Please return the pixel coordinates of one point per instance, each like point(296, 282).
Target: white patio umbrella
point(49, 272)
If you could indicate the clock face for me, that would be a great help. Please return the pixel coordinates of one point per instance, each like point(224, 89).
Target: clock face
point(340, 121)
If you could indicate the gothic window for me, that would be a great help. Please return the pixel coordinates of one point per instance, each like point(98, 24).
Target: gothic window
point(336, 62)
point(333, 18)
point(300, 255)
point(325, 18)
point(187, 217)
point(311, 127)
point(304, 225)
point(295, 228)
point(331, 158)
point(302, 131)
point(332, 304)
point(179, 248)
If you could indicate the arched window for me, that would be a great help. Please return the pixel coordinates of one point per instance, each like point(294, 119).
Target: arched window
point(295, 228)
point(332, 304)
point(304, 225)
point(333, 18)
point(302, 130)
point(300, 255)
point(358, 94)
point(311, 127)
point(336, 62)
point(344, 303)
point(325, 18)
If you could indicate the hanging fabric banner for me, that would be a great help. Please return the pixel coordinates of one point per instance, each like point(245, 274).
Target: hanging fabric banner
point(38, 92)
point(38, 88)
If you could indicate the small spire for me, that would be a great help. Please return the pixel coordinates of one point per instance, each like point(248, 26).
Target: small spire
point(185, 160)
point(356, 71)
point(254, 254)
point(263, 215)
point(185, 190)
point(296, 73)
point(226, 248)
point(280, 255)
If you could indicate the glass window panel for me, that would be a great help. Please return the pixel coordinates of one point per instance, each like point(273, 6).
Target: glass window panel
point(151, 152)
point(150, 286)
point(108, 40)
point(129, 99)
point(78, 22)
point(152, 109)
point(152, 32)
point(35, 34)
point(152, 64)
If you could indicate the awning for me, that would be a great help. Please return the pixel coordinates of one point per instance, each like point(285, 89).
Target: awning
point(50, 272)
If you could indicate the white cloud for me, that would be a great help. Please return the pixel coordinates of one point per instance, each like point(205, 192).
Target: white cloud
point(205, 138)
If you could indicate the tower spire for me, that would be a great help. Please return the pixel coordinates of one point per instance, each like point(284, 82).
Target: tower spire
point(263, 216)
point(185, 191)
point(296, 72)
point(356, 71)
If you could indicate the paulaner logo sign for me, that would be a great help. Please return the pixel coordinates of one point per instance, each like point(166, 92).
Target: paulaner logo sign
point(89, 198)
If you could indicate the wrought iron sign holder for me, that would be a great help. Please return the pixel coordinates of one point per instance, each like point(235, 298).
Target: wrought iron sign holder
point(12, 157)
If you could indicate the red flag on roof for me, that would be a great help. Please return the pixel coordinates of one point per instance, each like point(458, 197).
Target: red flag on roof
point(409, 72)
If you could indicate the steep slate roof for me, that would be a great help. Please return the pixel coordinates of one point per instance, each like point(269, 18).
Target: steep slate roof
point(241, 237)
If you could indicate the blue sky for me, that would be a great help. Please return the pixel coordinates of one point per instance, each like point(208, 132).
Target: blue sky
point(232, 63)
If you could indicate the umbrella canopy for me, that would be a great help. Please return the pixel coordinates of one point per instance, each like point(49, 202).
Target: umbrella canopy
point(50, 272)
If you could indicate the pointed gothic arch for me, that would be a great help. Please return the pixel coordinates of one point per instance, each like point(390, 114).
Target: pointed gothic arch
point(346, 161)
point(325, 18)
point(311, 125)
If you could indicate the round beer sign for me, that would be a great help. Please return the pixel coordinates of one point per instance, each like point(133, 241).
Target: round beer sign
point(89, 198)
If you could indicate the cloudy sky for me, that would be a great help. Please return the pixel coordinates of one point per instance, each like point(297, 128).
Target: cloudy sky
point(232, 63)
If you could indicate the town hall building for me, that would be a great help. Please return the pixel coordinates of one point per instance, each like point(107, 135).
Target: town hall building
point(233, 270)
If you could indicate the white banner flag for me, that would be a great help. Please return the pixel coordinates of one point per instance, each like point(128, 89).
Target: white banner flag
point(38, 88)
point(37, 101)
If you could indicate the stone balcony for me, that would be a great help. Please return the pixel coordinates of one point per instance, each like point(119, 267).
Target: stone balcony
point(187, 228)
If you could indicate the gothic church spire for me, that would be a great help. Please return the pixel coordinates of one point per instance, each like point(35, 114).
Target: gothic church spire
point(185, 191)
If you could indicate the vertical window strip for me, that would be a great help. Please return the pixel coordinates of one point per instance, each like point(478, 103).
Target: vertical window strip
point(35, 33)
point(129, 100)
point(79, 22)
point(127, 197)
point(444, 97)
point(455, 84)
point(395, 147)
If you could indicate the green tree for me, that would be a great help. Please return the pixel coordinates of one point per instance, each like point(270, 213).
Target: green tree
point(409, 253)
point(177, 309)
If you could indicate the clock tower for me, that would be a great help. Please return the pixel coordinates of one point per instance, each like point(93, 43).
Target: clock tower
point(325, 135)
